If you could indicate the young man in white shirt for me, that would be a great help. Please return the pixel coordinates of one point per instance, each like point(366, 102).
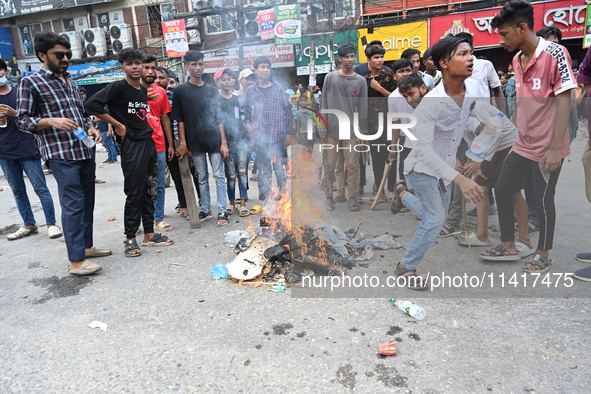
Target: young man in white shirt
point(441, 120)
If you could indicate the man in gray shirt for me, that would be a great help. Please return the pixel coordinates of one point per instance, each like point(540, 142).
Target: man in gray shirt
point(344, 91)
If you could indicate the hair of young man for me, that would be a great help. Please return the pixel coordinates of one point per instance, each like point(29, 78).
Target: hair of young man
point(163, 70)
point(193, 56)
point(446, 48)
point(337, 62)
point(546, 32)
point(410, 81)
point(410, 52)
point(228, 73)
point(82, 89)
point(345, 49)
point(261, 60)
point(506, 76)
point(46, 40)
point(515, 13)
point(149, 59)
point(130, 55)
point(374, 48)
point(501, 69)
point(469, 37)
point(401, 63)
point(3, 65)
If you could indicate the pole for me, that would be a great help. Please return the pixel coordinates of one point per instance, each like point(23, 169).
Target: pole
point(312, 78)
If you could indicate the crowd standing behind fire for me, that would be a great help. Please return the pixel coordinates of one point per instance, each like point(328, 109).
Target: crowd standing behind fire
point(148, 111)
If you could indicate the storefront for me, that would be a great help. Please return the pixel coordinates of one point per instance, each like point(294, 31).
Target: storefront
point(568, 16)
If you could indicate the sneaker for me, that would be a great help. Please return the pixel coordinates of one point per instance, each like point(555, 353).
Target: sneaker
point(21, 233)
point(584, 257)
point(54, 232)
point(107, 161)
point(205, 216)
point(584, 274)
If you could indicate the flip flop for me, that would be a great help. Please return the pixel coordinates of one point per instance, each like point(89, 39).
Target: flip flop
point(474, 241)
point(163, 226)
point(256, 209)
point(354, 206)
point(450, 231)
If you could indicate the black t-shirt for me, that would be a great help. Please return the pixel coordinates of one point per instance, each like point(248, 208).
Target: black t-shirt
point(127, 105)
point(230, 117)
point(198, 108)
point(14, 143)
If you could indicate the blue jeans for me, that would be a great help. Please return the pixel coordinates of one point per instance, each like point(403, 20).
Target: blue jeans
point(270, 157)
point(13, 170)
point(75, 185)
point(159, 203)
point(111, 150)
point(217, 167)
point(236, 165)
point(430, 204)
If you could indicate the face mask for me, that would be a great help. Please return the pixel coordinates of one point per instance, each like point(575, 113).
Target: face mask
point(3, 81)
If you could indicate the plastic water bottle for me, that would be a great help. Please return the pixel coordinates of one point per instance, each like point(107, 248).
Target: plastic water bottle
point(482, 144)
point(85, 138)
point(410, 308)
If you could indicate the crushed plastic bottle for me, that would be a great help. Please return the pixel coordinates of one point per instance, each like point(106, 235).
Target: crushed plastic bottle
point(85, 138)
point(233, 237)
point(483, 143)
point(410, 308)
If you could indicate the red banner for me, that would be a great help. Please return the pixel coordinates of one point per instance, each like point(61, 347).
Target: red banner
point(174, 36)
point(568, 16)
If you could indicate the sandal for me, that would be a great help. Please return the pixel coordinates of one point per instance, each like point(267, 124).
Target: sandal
point(381, 199)
point(354, 206)
point(178, 207)
point(499, 253)
point(396, 205)
point(185, 215)
point(448, 231)
point(244, 211)
point(413, 281)
point(256, 209)
point(474, 241)
point(158, 240)
point(131, 245)
point(231, 209)
point(543, 263)
point(163, 226)
point(222, 219)
point(524, 250)
point(329, 205)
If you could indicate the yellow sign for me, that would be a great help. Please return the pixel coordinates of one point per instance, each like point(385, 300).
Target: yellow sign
point(396, 39)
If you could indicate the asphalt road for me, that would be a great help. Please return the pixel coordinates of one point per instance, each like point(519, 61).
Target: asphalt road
point(162, 338)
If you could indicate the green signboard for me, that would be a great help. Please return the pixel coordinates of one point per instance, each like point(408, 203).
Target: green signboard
point(587, 37)
point(323, 56)
point(288, 24)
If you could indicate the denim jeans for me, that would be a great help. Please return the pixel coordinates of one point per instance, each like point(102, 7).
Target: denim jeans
point(430, 204)
point(13, 170)
point(236, 165)
point(217, 167)
point(159, 203)
point(111, 150)
point(270, 157)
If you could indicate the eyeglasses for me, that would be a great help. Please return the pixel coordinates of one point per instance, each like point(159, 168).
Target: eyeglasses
point(59, 55)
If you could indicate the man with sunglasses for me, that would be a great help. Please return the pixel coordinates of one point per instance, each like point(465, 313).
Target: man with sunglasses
point(49, 104)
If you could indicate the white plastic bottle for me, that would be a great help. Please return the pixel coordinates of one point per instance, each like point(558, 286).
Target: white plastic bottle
point(85, 138)
point(489, 135)
point(410, 308)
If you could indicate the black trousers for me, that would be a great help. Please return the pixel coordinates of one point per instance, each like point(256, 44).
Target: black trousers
point(140, 180)
point(514, 169)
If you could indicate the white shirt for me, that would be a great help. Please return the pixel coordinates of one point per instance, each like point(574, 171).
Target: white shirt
point(397, 104)
point(481, 113)
point(440, 127)
point(485, 74)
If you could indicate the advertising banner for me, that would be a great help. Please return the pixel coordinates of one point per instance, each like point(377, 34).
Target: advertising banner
point(395, 39)
point(175, 38)
point(568, 16)
point(280, 55)
point(323, 55)
point(10, 8)
point(266, 24)
point(587, 40)
point(288, 24)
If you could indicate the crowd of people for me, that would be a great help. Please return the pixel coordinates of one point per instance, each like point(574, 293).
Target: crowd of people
point(155, 122)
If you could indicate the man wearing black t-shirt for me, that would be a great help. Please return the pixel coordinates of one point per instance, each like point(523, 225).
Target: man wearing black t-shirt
point(127, 101)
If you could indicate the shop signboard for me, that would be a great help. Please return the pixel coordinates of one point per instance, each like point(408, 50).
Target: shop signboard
point(323, 55)
point(395, 39)
point(280, 55)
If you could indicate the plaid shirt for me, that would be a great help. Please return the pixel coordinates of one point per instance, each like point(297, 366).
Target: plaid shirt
point(43, 95)
point(269, 113)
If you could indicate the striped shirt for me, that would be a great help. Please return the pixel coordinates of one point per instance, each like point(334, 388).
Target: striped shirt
point(269, 112)
point(43, 95)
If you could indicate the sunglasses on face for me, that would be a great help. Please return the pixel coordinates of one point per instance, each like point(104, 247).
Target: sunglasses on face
point(59, 55)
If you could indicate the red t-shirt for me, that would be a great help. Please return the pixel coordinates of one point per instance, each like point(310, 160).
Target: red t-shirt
point(155, 109)
point(547, 74)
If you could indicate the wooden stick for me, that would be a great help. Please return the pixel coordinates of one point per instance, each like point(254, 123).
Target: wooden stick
point(465, 220)
point(187, 178)
point(382, 183)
